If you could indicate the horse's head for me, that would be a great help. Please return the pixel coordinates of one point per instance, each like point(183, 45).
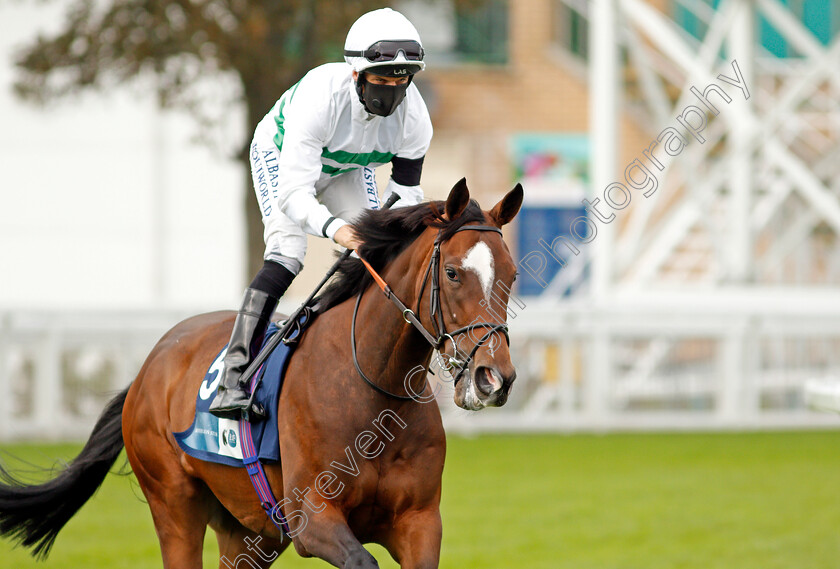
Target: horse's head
point(475, 276)
point(456, 278)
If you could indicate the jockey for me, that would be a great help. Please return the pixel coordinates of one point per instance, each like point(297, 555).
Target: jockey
point(312, 163)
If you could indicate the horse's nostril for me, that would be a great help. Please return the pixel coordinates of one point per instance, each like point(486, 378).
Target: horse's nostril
point(487, 381)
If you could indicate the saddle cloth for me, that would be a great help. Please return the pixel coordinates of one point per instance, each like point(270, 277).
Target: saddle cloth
point(218, 440)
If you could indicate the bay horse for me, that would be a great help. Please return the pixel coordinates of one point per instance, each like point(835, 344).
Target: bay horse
point(359, 463)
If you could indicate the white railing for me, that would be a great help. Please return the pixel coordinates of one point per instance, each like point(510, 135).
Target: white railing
point(57, 370)
point(656, 362)
point(730, 359)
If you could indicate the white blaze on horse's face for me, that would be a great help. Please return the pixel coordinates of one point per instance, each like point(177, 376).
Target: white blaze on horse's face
point(479, 259)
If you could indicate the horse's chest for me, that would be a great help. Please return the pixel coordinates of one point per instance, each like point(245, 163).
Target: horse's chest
point(393, 459)
point(387, 483)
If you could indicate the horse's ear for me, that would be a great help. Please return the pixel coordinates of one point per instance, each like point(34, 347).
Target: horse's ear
point(458, 199)
point(508, 207)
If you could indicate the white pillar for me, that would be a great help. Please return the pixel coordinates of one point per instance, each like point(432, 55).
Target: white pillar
point(738, 246)
point(48, 389)
point(730, 401)
point(604, 91)
point(596, 392)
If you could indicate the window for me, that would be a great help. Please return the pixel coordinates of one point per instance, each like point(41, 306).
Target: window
point(570, 27)
point(822, 17)
point(454, 34)
point(482, 32)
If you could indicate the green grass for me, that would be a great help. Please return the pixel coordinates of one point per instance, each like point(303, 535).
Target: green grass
point(704, 501)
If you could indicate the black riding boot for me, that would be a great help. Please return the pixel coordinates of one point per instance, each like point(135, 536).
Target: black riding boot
point(245, 340)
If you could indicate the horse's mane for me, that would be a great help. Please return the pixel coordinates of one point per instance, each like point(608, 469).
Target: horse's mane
point(384, 235)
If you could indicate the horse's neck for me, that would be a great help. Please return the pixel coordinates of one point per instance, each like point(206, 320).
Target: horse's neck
point(388, 348)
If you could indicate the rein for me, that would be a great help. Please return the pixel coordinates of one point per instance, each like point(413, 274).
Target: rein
point(440, 335)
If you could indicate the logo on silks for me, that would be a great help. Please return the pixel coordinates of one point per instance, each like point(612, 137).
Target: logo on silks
point(229, 438)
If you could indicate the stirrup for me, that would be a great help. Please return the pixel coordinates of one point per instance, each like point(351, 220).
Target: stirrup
point(242, 407)
point(254, 413)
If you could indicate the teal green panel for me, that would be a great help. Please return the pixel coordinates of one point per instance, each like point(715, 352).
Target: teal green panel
point(816, 15)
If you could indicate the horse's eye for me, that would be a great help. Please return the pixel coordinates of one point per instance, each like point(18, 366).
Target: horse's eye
point(515, 276)
point(451, 274)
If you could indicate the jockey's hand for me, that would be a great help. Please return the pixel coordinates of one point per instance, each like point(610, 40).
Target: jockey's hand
point(346, 237)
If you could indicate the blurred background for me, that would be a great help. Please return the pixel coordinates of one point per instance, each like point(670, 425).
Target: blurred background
point(671, 332)
point(707, 302)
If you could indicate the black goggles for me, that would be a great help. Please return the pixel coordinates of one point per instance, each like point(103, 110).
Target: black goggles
point(388, 50)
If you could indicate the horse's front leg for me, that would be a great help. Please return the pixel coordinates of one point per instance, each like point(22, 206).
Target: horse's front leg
point(414, 540)
point(327, 536)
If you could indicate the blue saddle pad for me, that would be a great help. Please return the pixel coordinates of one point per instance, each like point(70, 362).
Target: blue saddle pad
point(218, 440)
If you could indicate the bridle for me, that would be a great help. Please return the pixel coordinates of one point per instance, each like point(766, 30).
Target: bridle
point(440, 335)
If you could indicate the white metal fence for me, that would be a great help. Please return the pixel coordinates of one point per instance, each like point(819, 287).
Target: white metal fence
point(733, 360)
point(57, 370)
point(657, 363)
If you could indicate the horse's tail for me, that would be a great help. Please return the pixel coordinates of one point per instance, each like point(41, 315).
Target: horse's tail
point(34, 514)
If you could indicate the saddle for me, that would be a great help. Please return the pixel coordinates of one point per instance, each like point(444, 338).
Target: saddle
point(220, 440)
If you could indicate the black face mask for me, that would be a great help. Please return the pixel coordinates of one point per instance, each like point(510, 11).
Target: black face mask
point(380, 100)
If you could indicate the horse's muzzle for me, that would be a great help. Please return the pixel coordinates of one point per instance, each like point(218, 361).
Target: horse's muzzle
point(486, 386)
point(493, 387)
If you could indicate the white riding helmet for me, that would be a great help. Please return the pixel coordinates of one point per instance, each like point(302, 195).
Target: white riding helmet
point(384, 42)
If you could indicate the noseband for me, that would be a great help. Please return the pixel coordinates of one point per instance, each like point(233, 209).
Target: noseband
point(440, 336)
